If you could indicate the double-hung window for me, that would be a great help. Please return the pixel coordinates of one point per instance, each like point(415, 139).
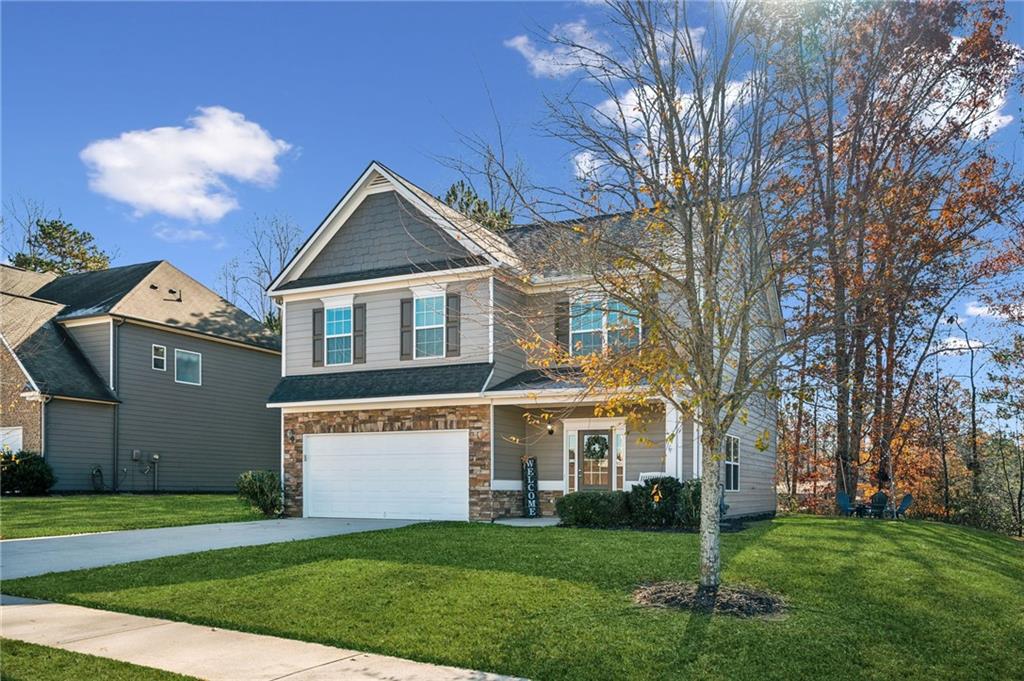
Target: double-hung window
point(188, 367)
point(428, 315)
point(731, 465)
point(159, 360)
point(338, 334)
point(597, 323)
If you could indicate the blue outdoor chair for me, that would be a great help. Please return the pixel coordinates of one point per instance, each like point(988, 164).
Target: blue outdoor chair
point(905, 503)
point(879, 502)
point(843, 502)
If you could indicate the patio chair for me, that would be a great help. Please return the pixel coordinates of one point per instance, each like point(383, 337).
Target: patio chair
point(879, 502)
point(905, 503)
point(843, 502)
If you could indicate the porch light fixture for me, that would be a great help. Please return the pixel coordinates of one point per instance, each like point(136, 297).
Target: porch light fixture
point(551, 429)
point(290, 434)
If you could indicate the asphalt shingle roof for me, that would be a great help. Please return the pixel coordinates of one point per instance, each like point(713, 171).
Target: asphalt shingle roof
point(410, 381)
point(538, 379)
point(94, 293)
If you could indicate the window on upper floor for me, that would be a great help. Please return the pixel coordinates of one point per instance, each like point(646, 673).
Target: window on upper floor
point(597, 323)
point(731, 464)
point(159, 359)
point(188, 367)
point(338, 335)
point(428, 316)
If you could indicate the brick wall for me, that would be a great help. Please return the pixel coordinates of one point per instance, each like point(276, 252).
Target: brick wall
point(474, 418)
point(15, 410)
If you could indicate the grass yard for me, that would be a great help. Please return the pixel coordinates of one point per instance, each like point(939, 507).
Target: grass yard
point(868, 599)
point(21, 661)
point(22, 517)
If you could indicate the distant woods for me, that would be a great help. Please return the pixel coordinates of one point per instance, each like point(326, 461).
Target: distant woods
point(37, 240)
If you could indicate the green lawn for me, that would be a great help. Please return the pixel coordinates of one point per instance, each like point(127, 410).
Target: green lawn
point(21, 661)
point(868, 599)
point(47, 516)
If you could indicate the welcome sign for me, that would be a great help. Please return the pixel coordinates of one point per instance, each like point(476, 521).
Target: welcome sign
point(531, 500)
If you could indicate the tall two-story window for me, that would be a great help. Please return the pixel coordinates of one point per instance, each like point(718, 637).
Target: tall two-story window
point(731, 464)
point(597, 323)
point(428, 315)
point(338, 334)
point(188, 367)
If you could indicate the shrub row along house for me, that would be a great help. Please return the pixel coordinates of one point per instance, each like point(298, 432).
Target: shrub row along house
point(404, 393)
point(135, 378)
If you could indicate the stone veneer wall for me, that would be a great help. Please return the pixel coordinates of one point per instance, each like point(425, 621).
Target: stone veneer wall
point(15, 410)
point(483, 505)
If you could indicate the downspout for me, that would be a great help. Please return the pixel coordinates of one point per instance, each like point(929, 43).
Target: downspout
point(43, 400)
point(114, 355)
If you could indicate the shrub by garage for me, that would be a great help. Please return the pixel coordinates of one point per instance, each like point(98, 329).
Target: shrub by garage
point(593, 509)
point(25, 473)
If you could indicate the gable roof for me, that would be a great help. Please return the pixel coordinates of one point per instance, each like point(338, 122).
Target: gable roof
point(142, 292)
point(475, 238)
point(93, 293)
point(22, 282)
point(54, 363)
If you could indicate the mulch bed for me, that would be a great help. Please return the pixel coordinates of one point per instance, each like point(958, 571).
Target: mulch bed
point(737, 601)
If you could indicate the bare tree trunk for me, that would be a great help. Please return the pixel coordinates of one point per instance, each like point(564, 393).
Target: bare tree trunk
point(710, 514)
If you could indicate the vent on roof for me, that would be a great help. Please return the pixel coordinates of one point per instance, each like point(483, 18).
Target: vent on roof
point(378, 181)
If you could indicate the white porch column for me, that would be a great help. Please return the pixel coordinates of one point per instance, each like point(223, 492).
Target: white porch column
point(673, 440)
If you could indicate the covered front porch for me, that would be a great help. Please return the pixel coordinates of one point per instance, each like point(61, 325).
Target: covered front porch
point(578, 449)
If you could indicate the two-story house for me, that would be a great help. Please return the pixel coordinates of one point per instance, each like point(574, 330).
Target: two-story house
point(405, 395)
point(135, 378)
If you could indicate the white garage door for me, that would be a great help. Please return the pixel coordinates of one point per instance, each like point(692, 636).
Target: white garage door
point(420, 475)
point(11, 438)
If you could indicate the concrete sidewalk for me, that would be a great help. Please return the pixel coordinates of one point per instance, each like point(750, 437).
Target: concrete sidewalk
point(205, 652)
point(30, 557)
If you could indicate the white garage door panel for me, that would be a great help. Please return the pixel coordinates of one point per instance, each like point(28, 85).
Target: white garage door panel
point(421, 475)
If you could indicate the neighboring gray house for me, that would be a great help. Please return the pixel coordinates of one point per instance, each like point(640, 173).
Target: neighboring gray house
point(135, 378)
point(405, 395)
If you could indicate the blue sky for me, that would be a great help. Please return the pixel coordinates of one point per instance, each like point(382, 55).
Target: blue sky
point(305, 95)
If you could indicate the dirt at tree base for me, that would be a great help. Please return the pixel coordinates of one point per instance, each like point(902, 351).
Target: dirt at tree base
point(736, 601)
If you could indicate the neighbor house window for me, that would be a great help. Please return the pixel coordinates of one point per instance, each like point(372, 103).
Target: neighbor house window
point(428, 314)
point(338, 328)
point(597, 323)
point(732, 463)
point(188, 367)
point(159, 358)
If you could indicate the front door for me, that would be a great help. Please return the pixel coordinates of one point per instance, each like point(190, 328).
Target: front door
point(595, 460)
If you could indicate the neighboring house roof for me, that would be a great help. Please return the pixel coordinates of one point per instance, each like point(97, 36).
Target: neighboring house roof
point(365, 275)
point(411, 381)
point(143, 292)
point(94, 293)
point(23, 282)
point(47, 352)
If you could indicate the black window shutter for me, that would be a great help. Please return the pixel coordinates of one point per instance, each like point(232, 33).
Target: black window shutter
point(359, 333)
point(562, 324)
point(318, 337)
point(405, 330)
point(452, 325)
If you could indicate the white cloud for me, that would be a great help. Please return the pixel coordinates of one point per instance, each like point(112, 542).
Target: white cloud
point(976, 309)
point(586, 164)
point(181, 171)
point(570, 51)
point(956, 345)
point(681, 40)
point(175, 235)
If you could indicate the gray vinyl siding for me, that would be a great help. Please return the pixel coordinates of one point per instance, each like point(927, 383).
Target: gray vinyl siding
point(645, 446)
point(79, 437)
point(509, 443)
point(382, 331)
point(757, 467)
point(384, 231)
point(94, 342)
point(509, 310)
point(205, 435)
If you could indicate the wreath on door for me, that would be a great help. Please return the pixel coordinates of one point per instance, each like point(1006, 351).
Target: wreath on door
point(596, 447)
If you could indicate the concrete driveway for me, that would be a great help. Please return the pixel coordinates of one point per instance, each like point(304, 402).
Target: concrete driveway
point(29, 557)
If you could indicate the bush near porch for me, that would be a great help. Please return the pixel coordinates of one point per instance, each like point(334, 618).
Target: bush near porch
point(866, 601)
point(659, 503)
